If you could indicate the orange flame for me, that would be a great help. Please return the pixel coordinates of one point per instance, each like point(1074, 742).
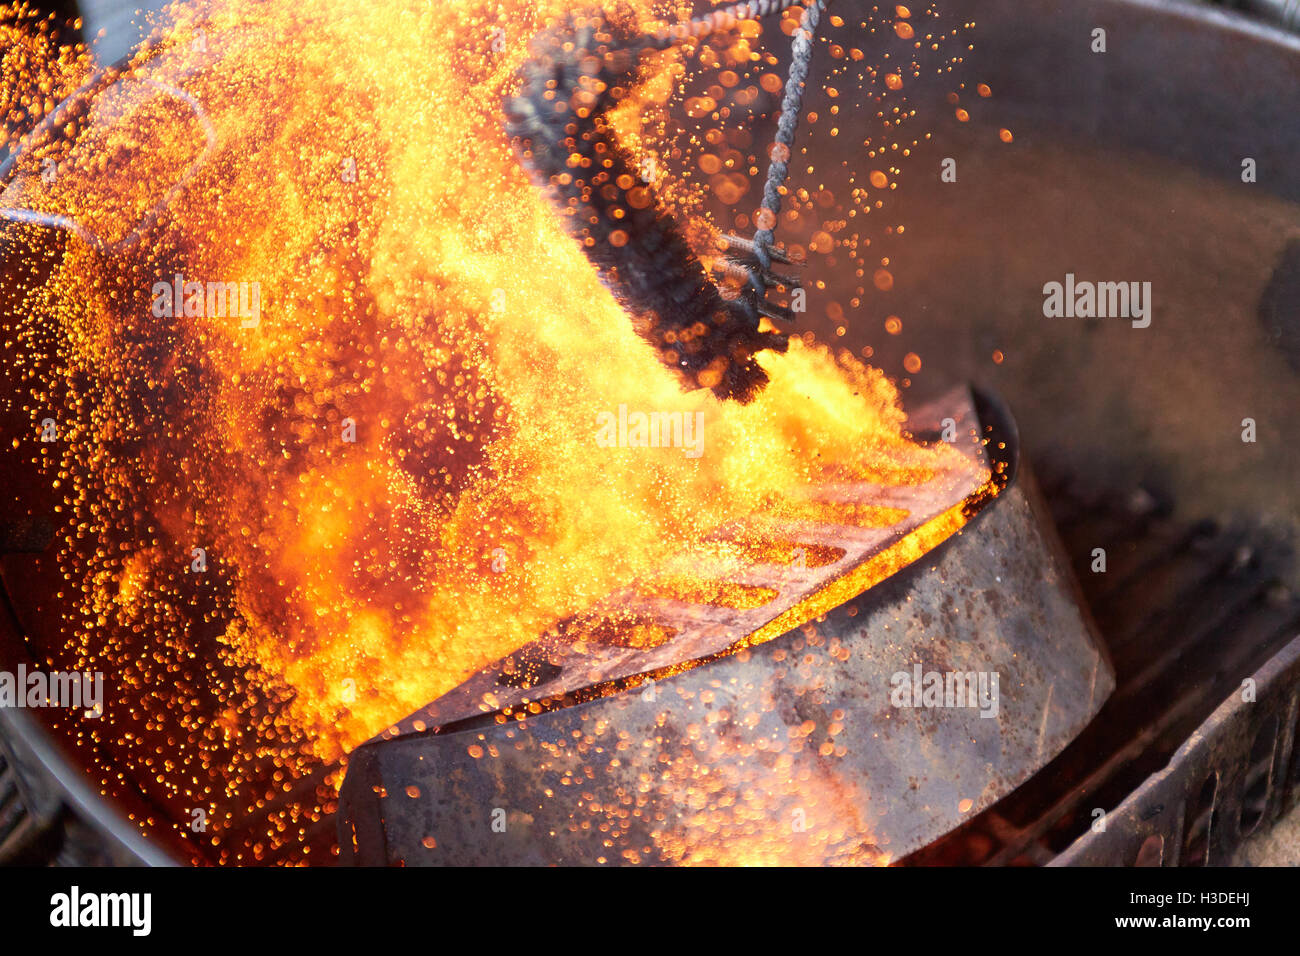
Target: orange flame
point(394, 473)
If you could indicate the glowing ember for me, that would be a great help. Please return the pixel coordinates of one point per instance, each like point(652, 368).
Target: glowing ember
point(328, 376)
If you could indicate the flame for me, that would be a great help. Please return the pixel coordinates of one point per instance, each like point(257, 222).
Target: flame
point(315, 524)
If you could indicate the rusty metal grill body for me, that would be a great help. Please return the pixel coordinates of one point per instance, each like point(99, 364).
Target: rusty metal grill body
point(584, 783)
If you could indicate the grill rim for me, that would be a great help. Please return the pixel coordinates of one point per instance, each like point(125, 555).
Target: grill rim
point(52, 782)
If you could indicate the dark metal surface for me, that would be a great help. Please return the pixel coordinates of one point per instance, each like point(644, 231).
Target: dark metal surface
point(1285, 13)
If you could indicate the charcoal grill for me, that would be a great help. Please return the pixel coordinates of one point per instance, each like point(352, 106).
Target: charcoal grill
point(1135, 441)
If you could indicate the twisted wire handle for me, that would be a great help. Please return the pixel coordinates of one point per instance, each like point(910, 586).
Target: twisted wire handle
point(785, 129)
point(760, 249)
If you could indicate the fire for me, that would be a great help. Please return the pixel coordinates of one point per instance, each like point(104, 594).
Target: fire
point(286, 530)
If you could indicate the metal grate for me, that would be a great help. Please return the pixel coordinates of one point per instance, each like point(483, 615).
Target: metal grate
point(1237, 771)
